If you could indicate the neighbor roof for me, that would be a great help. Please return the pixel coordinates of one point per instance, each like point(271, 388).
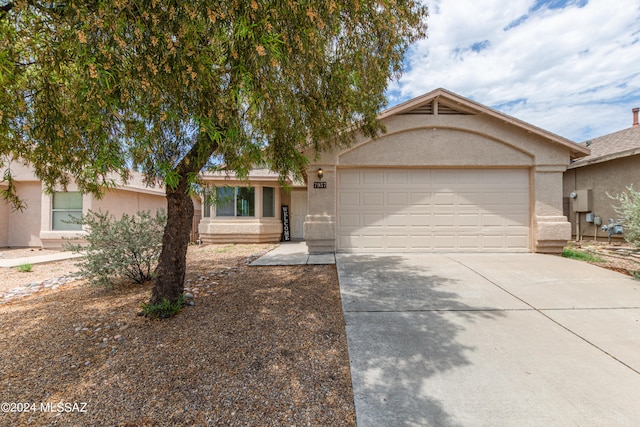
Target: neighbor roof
point(619, 144)
point(442, 101)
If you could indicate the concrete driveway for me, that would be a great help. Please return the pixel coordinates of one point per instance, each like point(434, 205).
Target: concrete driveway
point(490, 340)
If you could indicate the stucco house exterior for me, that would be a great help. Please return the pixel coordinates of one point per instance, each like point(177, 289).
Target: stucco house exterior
point(449, 175)
point(612, 166)
point(44, 221)
point(251, 211)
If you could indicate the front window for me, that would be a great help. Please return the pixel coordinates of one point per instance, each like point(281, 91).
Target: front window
point(66, 206)
point(235, 201)
point(268, 202)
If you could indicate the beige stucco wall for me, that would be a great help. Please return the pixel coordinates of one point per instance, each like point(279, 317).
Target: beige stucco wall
point(118, 202)
point(5, 209)
point(448, 141)
point(24, 226)
point(613, 177)
point(257, 229)
point(114, 201)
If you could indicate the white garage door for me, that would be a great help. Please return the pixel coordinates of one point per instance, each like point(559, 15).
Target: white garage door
point(427, 210)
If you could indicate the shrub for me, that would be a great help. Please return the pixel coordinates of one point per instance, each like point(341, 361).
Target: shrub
point(25, 268)
point(165, 309)
point(629, 210)
point(124, 250)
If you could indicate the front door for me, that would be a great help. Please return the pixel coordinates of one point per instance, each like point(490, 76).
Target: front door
point(298, 214)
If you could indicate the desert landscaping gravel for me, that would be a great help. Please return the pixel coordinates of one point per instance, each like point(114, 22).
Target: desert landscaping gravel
point(262, 346)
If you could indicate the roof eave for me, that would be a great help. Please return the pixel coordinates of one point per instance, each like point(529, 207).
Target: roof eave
point(576, 151)
point(605, 158)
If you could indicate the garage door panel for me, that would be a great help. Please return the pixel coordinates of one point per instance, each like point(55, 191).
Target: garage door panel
point(517, 241)
point(444, 220)
point(420, 198)
point(398, 220)
point(469, 242)
point(433, 210)
point(373, 199)
point(349, 221)
point(349, 198)
point(469, 221)
point(397, 178)
point(444, 199)
point(492, 220)
point(421, 220)
point(397, 199)
point(441, 176)
point(372, 178)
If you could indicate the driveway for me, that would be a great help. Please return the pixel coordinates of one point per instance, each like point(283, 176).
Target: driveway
point(490, 340)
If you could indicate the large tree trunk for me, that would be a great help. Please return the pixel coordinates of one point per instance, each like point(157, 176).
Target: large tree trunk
point(172, 264)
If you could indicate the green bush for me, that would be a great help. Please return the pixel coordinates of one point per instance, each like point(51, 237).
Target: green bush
point(629, 210)
point(165, 309)
point(123, 250)
point(25, 268)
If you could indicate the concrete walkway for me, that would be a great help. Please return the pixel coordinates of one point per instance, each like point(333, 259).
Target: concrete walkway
point(293, 253)
point(14, 262)
point(490, 340)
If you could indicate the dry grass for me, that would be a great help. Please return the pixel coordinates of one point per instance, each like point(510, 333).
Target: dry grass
point(263, 346)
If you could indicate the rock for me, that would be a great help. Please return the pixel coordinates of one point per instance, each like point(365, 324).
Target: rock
point(188, 295)
point(191, 303)
point(123, 327)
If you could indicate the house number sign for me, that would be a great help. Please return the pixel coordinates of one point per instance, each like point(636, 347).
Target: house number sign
point(320, 184)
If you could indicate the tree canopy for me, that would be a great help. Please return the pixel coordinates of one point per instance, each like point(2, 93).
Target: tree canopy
point(93, 88)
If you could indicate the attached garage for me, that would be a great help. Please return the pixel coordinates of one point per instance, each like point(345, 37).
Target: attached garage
point(426, 210)
point(448, 175)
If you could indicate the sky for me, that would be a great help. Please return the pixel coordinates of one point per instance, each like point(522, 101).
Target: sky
point(571, 67)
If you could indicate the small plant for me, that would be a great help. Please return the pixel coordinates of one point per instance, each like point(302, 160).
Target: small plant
point(165, 309)
point(579, 255)
point(25, 268)
point(629, 209)
point(123, 250)
point(636, 274)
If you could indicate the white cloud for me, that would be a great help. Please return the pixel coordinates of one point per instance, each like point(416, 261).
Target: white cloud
point(572, 70)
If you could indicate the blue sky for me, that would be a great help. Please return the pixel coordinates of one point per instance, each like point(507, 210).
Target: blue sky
point(571, 67)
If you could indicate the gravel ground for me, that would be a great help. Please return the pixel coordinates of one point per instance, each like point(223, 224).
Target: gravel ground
point(620, 257)
point(263, 346)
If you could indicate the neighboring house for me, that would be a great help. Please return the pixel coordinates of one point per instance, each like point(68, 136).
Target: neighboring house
point(612, 166)
point(44, 222)
point(449, 175)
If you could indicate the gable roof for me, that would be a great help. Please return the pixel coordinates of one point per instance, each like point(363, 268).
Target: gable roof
point(444, 102)
point(615, 145)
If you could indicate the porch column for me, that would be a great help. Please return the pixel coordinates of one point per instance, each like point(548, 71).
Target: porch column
point(550, 229)
point(320, 222)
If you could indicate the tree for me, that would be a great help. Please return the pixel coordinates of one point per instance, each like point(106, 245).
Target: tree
point(93, 88)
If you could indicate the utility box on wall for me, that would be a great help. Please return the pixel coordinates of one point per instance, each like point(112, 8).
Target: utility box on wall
point(582, 201)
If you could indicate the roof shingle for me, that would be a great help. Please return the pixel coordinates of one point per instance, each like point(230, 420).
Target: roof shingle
point(608, 147)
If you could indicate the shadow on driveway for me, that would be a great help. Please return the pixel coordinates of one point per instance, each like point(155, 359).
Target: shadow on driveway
point(400, 336)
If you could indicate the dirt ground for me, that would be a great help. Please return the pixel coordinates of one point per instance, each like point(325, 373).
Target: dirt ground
point(263, 346)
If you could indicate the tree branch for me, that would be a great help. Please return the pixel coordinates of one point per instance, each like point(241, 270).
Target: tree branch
point(6, 7)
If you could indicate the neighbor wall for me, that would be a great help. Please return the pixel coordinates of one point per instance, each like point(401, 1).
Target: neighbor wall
point(612, 177)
